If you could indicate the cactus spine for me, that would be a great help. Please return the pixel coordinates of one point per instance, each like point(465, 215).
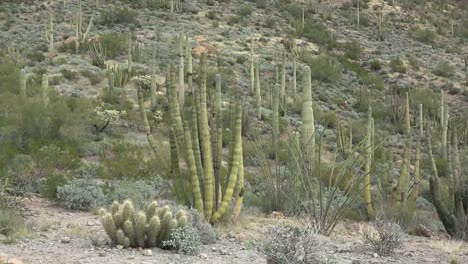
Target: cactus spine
point(258, 94)
point(49, 35)
point(45, 90)
point(308, 127)
point(367, 181)
point(22, 88)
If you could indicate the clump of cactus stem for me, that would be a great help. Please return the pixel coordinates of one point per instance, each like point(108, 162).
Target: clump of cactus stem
point(144, 229)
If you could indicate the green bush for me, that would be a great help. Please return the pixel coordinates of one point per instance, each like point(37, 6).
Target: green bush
point(318, 33)
point(353, 50)
point(51, 185)
point(10, 222)
point(68, 74)
point(444, 69)
point(397, 65)
point(324, 68)
point(423, 35)
point(114, 43)
point(245, 11)
point(81, 194)
point(185, 239)
point(117, 15)
point(375, 65)
point(140, 192)
point(9, 79)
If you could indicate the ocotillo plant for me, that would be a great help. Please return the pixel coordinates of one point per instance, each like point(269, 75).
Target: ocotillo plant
point(143, 229)
point(367, 181)
point(77, 26)
point(49, 35)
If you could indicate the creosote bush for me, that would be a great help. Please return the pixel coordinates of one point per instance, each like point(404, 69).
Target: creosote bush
point(81, 194)
point(385, 238)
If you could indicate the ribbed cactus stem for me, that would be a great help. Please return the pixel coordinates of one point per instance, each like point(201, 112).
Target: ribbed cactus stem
point(206, 145)
point(232, 180)
point(275, 119)
point(193, 171)
point(240, 181)
point(188, 54)
point(22, 82)
point(283, 95)
point(153, 231)
point(402, 186)
point(49, 35)
point(154, 87)
point(441, 108)
point(252, 67)
point(196, 148)
point(181, 82)
point(445, 131)
point(45, 90)
point(258, 93)
point(308, 127)
point(367, 181)
point(294, 81)
point(127, 211)
point(111, 83)
point(217, 138)
point(417, 170)
point(140, 228)
point(130, 232)
point(130, 56)
point(109, 226)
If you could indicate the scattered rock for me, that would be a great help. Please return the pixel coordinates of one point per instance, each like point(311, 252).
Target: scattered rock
point(65, 240)
point(147, 252)
point(376, 255)
point(213, 249)
point(356, 262)
point(203, 256)
point(119, 247)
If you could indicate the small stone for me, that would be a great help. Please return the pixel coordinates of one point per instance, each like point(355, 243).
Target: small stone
point(231, 235)
point(213, 249)
point(102, 254)
point(65, 240)
point(355, 262)
point(376, 255)
point(147, 252)
point(203, 256)
point(119, 247)
point(223, 252)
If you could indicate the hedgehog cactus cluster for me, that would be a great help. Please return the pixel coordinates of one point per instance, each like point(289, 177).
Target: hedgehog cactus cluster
point(144, 229)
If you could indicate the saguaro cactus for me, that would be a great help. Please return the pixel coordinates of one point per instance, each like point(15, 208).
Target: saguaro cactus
point(181, 82)
point(77, 26)
point(445, 131)
point(275, 118)
point(294, 81)
point(45, 90)
point(417, 171)
point(402, 186)
point(367, 181)
point(283, 84)
point(258, 92)
point(308, 127)
point(154, 84)
point(49, 35)
point(22, 82)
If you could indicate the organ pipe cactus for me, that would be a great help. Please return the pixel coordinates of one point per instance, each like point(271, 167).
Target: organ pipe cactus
point(154, 84)
point(252, 67)
point(283, 84)
point(445, 131)
point(181, 82)
point(417, 170)
point(141, 229)
point(367, 181)
point(275, 119)
point(294, 81)
point(189, 68)
point(402, 185)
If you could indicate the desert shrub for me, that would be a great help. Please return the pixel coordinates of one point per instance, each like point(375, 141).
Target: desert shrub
point(9, 78)
point(68, 74)
point(245, 11)
point(93, 77)
point(397, 65)
point(185, 239)
point(414, 62)
point(53, 157)
point(20, 170)
point(375, 65)
point(353, 50)
point(385, 238)
point(114, 43)
point(289, 244)
point(423, 35)
point(444, 69)
point(323, 68)
point(81, 194)
point(270, 22)
point(51, 185)
point(140, 192)
point(117, 15)
point(212, 15)
point(318, 33)
point(10, 222)
point(208, 234)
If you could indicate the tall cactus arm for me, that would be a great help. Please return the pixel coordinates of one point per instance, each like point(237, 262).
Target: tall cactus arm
point(308, 127)
point(206, 145)
point(193, 170)
point(227, 197)
point(367, 181)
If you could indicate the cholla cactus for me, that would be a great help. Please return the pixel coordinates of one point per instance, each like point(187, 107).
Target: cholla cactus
point(142, 229)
